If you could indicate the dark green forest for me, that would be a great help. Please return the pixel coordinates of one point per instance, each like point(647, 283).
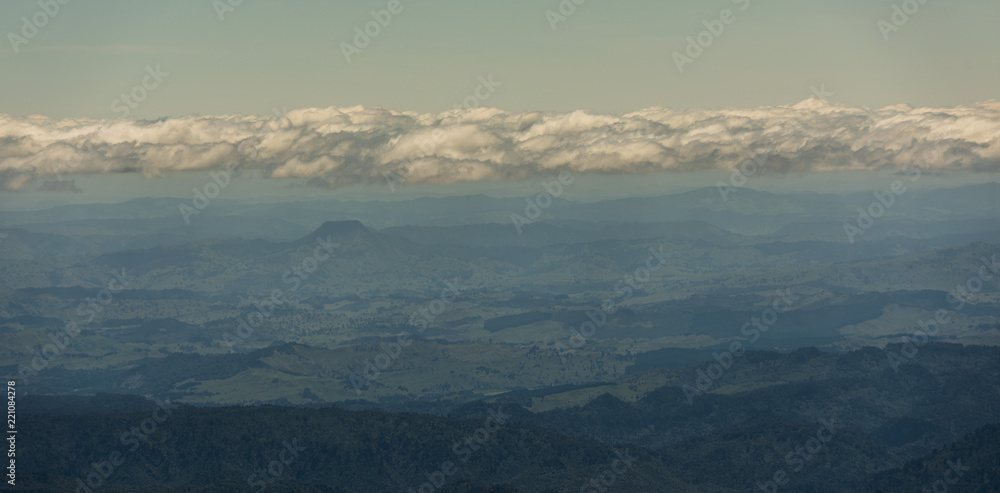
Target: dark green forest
point(851, 424)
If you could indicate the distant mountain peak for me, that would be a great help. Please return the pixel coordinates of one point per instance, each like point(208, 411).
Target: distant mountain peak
point(337, 229)
point(811, 104)
point(348, 226)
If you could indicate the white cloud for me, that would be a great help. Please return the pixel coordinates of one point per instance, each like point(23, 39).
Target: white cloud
point(339, 146)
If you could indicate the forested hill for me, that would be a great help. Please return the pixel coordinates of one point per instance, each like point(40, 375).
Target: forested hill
point(818, 422)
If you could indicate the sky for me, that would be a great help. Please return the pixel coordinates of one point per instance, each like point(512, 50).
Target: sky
point(518, 90)
point(605, 56)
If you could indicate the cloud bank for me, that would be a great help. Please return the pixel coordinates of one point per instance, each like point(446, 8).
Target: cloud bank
point(334, 147)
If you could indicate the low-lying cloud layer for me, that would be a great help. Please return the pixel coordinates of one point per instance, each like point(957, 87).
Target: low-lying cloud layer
point(338, 146)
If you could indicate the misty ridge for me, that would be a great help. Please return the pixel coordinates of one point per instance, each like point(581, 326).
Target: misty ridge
point(822, 341)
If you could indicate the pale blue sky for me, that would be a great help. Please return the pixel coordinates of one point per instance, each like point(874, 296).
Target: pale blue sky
point(608, 56)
